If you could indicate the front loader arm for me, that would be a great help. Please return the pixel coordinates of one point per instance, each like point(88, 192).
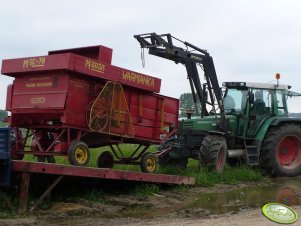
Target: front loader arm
point(162, 46)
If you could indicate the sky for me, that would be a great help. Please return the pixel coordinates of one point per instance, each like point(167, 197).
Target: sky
point(248, 40)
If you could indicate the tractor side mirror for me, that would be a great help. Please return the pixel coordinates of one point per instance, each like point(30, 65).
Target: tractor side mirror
point(251, 98)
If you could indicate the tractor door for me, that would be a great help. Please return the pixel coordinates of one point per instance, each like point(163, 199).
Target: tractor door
point(260, 109)
point(235, 101)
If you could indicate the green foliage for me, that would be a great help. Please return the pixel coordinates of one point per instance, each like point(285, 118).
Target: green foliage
point(2, 124)
point(186, 102)
point(3, 114)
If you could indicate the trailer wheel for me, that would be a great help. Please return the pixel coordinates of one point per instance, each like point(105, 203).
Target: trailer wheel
point(281, 151)
point(78, 153)
point(213, 152)
point(148, 163)
point(105, 160)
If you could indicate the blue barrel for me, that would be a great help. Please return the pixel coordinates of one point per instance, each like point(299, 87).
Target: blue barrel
point(5, 159)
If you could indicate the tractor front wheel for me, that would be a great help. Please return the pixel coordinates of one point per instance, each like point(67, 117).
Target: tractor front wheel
point(78, 153)
point(281, 151)
point(213, 152)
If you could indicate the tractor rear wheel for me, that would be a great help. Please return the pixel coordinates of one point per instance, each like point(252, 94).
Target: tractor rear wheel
point(78, 153)
point(213, 152)
point(281, 151)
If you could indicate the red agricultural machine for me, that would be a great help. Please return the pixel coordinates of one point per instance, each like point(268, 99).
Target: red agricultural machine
point(69, 101)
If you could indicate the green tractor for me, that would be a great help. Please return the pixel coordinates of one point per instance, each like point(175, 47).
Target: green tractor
point(246, 122)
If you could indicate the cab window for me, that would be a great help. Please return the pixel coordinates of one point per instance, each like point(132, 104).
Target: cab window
point(280, 103)
point(235, 101)
point(262, 102)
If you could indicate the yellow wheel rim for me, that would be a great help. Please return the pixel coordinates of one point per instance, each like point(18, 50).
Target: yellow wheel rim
point(151, 164)
point(81, 154)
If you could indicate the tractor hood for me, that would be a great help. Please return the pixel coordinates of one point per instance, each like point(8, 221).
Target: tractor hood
point(208, 123)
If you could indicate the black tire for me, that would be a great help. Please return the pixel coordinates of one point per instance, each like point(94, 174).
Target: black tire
point(168, 159)
point(213, 152)
point(78, 153)
point(281, 151)
point(105, 160)
point(148, 163)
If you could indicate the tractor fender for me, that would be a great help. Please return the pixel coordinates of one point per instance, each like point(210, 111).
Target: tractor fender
point(278, 121)
point(274, 122)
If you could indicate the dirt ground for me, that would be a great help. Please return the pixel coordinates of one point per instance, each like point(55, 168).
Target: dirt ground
point(221, 205)
point(248, 218)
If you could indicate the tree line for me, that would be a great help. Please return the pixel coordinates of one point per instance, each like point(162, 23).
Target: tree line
point(3, 114)
point(186, 103)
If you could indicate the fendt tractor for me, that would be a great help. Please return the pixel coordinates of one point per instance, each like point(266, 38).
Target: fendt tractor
point(241, 122)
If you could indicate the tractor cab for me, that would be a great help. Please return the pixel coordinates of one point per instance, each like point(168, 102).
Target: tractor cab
point(253, 103)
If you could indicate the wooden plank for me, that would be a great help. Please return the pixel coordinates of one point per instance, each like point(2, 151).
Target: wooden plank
point(58, 169)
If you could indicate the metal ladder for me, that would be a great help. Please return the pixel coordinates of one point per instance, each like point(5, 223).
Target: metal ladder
point(252, 152)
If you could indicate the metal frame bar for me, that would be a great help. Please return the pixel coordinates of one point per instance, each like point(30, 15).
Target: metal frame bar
point(57, 169)
point(132, 159)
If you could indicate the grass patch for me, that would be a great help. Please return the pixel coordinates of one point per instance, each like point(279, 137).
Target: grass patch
point(205, 177)
point(146, 190)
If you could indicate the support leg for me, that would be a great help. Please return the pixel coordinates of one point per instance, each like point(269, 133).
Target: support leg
point(23, 197)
